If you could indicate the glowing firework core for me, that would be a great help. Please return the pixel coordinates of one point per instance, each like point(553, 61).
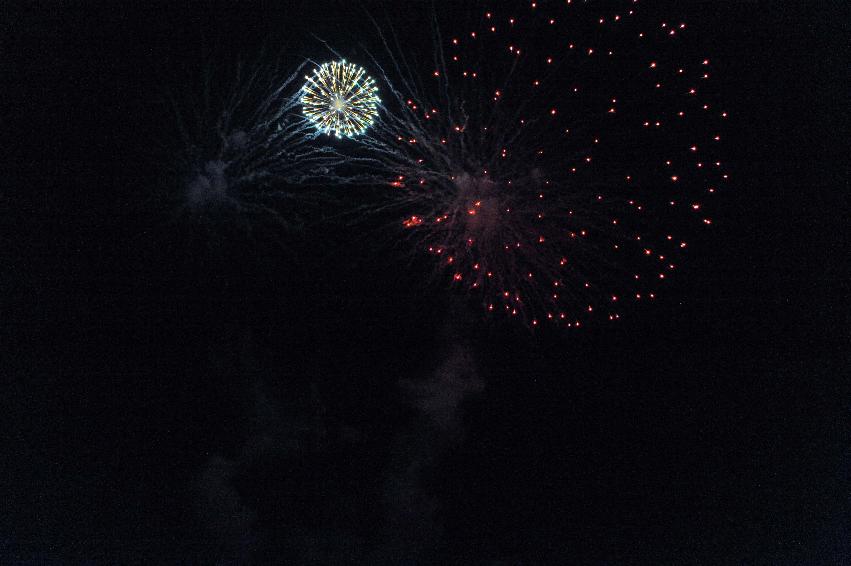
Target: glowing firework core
point(340, 98)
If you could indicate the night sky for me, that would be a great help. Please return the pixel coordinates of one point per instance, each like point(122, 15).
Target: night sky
point(176, 399)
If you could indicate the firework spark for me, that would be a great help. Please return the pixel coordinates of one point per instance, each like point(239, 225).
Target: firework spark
point(340, 99)
point(541, 154)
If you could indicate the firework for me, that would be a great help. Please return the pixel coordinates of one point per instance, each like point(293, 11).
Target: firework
point(340, 99)
point(544, 154)
point(245, 150)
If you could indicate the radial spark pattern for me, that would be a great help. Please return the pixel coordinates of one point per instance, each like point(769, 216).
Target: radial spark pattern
point(340, 99)
point(551, 157)
point(245, 152)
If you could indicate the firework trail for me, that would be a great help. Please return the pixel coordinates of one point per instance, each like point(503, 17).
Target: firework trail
point(549, 156)
point(247, 151)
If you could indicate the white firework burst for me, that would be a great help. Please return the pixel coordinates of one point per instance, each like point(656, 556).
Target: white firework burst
point(340, 99)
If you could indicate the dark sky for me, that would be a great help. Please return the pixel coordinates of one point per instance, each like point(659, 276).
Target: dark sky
point(167, 402)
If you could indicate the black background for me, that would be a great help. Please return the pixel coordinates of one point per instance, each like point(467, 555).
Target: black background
point(711, 428)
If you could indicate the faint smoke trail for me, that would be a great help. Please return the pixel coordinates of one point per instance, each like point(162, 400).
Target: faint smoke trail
point(412, 527)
